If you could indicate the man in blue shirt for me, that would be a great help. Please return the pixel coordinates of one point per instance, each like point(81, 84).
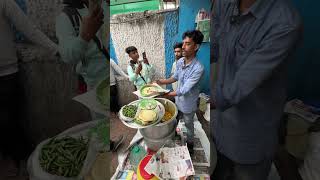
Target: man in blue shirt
point(253, 42)
point(188, 72)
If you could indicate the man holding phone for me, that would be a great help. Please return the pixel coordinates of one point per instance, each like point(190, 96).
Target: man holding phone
point(140, 71)
point(80, 32)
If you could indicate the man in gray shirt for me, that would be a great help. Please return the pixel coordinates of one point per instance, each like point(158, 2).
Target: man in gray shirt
point(253, 42)
point(14, 145)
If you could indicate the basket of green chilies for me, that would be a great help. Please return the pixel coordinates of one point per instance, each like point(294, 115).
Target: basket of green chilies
point(68, 156)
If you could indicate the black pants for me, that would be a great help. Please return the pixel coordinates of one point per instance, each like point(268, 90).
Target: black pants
point(114, 104)
point(13, 140)
point(227, 169)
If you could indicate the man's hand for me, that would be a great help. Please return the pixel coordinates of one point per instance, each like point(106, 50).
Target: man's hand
point(91, 24)
point(159, 81)
point(166, 81)
point(145, 60)
point(212, 104)
point(172, 93)
point(169, 95)
point(139, 68)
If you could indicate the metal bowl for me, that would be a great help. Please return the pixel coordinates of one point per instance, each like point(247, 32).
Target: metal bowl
point(156, 144)
point(164, 129)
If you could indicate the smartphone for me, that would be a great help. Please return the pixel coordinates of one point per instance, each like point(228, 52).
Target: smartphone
point(144, 56)
point(93, 5)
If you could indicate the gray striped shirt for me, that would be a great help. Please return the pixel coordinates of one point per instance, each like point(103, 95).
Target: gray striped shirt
point(253, 51)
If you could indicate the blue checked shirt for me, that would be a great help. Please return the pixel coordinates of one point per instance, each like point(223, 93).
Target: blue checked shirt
point(188, 89)
point(253, 52)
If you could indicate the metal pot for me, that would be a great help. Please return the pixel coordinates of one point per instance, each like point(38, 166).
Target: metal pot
point(162, 130)
point(156, 144)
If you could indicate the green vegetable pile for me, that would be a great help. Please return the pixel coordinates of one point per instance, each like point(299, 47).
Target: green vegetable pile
point(102, 130)
point(64, 157)
point(130, 111)
point(103, 94)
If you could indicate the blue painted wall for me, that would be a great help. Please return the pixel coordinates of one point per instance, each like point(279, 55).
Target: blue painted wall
point(112, 51)
point(187, 14)
point(304, 81)
point(170, 36)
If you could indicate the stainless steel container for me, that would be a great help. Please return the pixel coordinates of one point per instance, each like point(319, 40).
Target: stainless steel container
point(162, 130)
point(156, 144)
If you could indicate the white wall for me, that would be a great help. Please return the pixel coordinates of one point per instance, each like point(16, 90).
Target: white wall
point(145, 34)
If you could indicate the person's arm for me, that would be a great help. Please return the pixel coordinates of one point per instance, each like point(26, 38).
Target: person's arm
point(172, 79)
point(71, 47)
point(117, 69)
point(13, 12)
point(166, 81)
point(172, 93)
point(258, 67)
point(132, 74)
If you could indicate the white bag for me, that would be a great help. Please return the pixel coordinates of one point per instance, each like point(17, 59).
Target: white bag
point(310, 170)
point(36, 172)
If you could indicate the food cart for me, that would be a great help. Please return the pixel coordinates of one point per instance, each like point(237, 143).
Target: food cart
point(159, 135)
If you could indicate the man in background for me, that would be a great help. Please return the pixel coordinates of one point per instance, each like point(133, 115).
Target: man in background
point(177, 54)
